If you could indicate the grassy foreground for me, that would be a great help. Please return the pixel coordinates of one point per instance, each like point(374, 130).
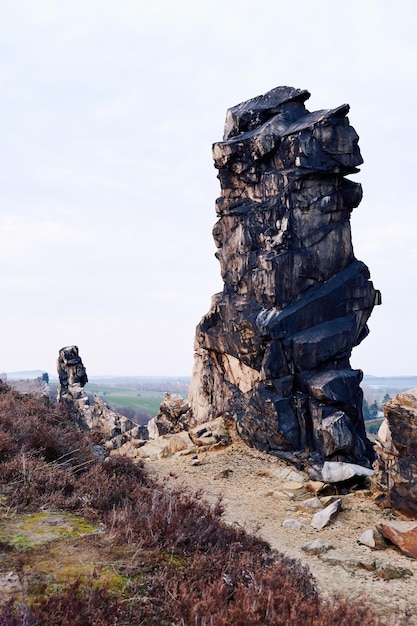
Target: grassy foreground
point(90, 542)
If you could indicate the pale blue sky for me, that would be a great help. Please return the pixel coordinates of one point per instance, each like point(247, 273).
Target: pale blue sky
point(107, 188)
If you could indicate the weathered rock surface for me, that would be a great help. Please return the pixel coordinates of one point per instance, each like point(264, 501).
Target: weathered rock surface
point(324, 517)
point(72, 379)
point(337, 471)
point(396, 448)
point(292, 524)
point(162, 446)
point(373, 539)
point(212, 433)
point(273, 351)
point(169, 419)
point(402, 534)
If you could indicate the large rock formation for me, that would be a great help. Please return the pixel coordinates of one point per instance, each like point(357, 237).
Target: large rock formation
point(273, 351)
point(396, 447)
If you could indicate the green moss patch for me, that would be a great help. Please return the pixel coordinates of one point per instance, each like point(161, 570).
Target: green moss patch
point(43, 527)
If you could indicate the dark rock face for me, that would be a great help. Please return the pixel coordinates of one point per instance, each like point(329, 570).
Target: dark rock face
point(396, 448)
point(273, 351)
point(72, 379)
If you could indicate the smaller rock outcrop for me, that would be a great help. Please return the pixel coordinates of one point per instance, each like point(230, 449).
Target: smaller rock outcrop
point(213, 433)
point(72, 379)
point(395, 479)
point(169, 417)
point(116, 428)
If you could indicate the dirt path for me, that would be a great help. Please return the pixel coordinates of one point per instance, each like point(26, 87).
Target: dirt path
point(260, 492)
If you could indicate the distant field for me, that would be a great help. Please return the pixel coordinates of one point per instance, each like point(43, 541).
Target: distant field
point(142, 401)
point(117, 397)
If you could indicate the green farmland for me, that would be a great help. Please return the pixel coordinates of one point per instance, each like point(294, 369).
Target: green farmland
point(139, 394)
point(116, 397)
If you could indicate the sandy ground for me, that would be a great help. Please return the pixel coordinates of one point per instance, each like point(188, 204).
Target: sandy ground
point(259, 494)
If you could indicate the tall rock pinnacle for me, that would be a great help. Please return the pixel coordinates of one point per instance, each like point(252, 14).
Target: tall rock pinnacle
point(273, 351)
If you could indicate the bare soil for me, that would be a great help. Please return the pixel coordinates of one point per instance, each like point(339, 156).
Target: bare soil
point(259, 492)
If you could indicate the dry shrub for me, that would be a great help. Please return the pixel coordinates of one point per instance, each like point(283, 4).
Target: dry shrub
point(212, 574)
point(177, 520)
point(32, 423)
point(207, 592)
point(7, 446)
point(77, 605)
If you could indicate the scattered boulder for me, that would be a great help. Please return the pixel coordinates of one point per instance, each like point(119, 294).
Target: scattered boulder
point(338, 472)
point(315, 486)
point(223, 474)
point(401, 533)
point(373, 539)
point(317, 546)
point(293, 489)
point(273, 352)
point(326, 500)
point(292, 524)
point(313, 503)
point(324, 517)
point(395, 480)
point(163, 446)
point(289, 474)
point(213, 433)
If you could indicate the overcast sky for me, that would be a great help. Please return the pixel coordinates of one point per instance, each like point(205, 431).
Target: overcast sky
point(108, 111)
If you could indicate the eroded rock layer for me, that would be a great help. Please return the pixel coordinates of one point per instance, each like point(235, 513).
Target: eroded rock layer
point(273, 351)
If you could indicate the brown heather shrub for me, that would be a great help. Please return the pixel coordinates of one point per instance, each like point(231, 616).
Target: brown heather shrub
point(176, 520)
point(210, 574)
point(77, 605)
point(32, 423)
point(279, 594)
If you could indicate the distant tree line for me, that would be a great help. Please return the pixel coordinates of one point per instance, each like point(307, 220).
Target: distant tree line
point(370, 411)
